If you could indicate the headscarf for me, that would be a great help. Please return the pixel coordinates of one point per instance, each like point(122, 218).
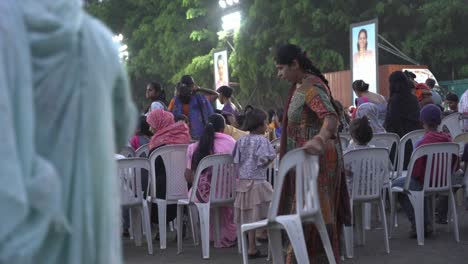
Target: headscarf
point(372, 113)
point(423, 91)
point(167, 131)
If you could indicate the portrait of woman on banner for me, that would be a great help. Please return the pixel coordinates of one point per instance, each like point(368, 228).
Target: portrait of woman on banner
point(364, 61)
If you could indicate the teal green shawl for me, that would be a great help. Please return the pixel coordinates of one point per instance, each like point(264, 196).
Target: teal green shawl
point(65, 108)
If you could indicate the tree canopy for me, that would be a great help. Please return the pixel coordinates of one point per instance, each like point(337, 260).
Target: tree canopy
point(167, 38)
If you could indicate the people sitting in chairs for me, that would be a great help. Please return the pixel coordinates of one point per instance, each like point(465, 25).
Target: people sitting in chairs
point(253, 153)
point(166, 132)
point(430, 116)
point(212, 141)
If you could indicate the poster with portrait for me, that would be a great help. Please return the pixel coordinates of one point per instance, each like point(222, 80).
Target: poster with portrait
point(221, 73)
point(364, 53)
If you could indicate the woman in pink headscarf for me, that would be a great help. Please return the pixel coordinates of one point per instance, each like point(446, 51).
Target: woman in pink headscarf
point(166, 132)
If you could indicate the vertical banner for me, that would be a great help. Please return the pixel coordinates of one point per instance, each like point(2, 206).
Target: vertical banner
point(364, 53)
point(221, 73)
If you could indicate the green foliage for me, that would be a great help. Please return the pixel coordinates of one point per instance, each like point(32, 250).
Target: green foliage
point(170, 38)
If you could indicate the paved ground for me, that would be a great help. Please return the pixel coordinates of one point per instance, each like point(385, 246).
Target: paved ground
point(441, 248)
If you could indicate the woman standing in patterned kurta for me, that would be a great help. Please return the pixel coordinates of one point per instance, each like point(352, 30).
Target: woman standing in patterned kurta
point(311, 121)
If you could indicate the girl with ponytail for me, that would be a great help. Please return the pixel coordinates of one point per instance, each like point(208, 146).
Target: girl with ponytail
point(311, 121)
point(212, 141)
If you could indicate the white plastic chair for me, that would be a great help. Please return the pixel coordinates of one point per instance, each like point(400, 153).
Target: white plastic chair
point(388, 141)
point(461, 140)
point(222, 194)
point(369, 168)
point(142, 151)
point(273, 166)
point(439, 165)
point(131, 196)
point(127, 152)
point(453, 123)
point(307, 210)
point(412, 137)
point(174, 157)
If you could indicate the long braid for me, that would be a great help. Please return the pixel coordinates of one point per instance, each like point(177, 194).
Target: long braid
point(309, 67)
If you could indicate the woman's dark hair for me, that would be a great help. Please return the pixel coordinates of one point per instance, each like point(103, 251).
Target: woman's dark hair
point(181, 117)
point(216, 123)
point(185, 93)
point(143, 127)
point(254, 119)
point(361, 31)
point(360, 86)
point(241, 117)
point(161, 94)
point(286, 55)
point(399, 83)
point(430, 82)
point(452, 97)
point(271, 114)
point(279, 113)
point(361, 131)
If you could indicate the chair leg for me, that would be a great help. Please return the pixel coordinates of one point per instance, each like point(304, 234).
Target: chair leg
point(433, 208)
point(239, 246)
point(417, 200)
point(147, 226)
point(130, 229)
point(276, 245)
point(295, 233)
point(349, 241)
point(454, 216)
point(136, 224)
point(384, 222)
point(180, 209)
point(193, 216)
point(162, 220)
point(204, 216)
point(245, 257)
point(325, 239)
point(367, 216)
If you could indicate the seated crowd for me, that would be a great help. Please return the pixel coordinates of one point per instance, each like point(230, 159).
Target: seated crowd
point(246, 134)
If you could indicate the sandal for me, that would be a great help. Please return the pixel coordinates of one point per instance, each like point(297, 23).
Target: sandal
point(257, 254)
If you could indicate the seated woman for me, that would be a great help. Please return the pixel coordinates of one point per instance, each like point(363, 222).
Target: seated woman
point(370, 111)
point(166, 132)
point(361, 89)
point(212, 141)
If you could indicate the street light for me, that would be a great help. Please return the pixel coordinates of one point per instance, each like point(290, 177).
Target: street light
point(227, 3)
point(231, 21)
point(123, 52)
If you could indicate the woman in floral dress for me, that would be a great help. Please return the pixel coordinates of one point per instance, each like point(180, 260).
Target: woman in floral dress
point(311, 121)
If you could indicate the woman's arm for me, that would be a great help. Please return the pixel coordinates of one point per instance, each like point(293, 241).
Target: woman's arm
point(327, 132)
point(188, 175)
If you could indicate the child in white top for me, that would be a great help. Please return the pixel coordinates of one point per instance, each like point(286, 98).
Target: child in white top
point(253, 153)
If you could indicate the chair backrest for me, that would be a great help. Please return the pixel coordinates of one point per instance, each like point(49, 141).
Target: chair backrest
point(222, 185)
point(388, 141)
point(129, 172)
point(174, 158)
point(142, 152)
point(412, 137)
point(461, 140)
point(307, 169)
point(128, 152)
point(369, 168)
point(453, 123)
point(439, 167)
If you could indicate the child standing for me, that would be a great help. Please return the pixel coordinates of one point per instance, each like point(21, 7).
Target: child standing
point(253, 153)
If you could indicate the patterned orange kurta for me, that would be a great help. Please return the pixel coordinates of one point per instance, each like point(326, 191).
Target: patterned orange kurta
point(309, 105)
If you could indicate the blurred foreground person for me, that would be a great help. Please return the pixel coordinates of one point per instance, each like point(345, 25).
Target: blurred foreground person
point(65, 107)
